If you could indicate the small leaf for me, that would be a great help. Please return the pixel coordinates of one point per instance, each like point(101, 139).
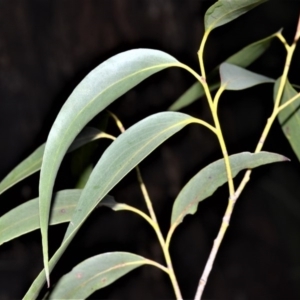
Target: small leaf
point(224, 11)
point(289, 117)
point(96, 273)
point(95, 92)
point(207, 181)
point(25, 217)
point(33, 162)
point(242, 58)
point(237, 78)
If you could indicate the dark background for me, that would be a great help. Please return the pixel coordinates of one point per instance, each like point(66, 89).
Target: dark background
point(47, 47)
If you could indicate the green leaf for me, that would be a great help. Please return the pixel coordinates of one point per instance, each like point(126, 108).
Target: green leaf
point(224, 11)
point(119, 158)
point(207, 181)
point(33, 162)
point(97, 90)
point(136, 143)
point(237, 78)
point(25, 217)
point(289, 117)
point(242, 58)
point(96, 273)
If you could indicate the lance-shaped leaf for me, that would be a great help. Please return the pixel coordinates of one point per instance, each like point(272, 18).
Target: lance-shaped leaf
point(237, 78)
point(289, 117)
point(124, 154)
point(25, 217)
point(207, 181)
point(224, 11)
point(96, 273)
point(242, 58)
point(33, 162)
point(97, 90)
point(118, 159)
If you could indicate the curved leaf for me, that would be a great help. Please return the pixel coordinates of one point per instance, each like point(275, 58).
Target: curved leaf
point(242, 58)
point(289, 118)
point(33, 162)
point(25, 217)
point(237, 78)
point(96, 273)
point(125, 153)
point(224, 11)
point(97, 90)
point(119, 158)
point(207, 181)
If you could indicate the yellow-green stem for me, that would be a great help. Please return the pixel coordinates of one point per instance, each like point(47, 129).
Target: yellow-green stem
point(201, 53)
point(153, 220)
point(217, 129)
point(246, 178)
point(159, 236)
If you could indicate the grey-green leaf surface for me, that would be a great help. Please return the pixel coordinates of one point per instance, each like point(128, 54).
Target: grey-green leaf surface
point(96, 91)
point(96, 273)
point(209, 179)
point(289, 117)
point(224, 11)
point(242, 58)
point(237, 78)
point(25, 217)
point(33, 162)
point(118, 159)
point(124, 154)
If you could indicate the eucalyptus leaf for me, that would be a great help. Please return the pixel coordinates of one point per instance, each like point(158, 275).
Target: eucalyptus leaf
point(131, 147)
point(96, 273)
point(209, 179)
point(96, 91)
point(242, 58)
point(25, 217)
point(289, 117)
point(224, 11)
point(124, 154)
point(33, 162)
point(237, 78)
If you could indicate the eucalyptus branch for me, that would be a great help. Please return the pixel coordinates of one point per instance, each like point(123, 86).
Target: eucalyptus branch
point(246, 178)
